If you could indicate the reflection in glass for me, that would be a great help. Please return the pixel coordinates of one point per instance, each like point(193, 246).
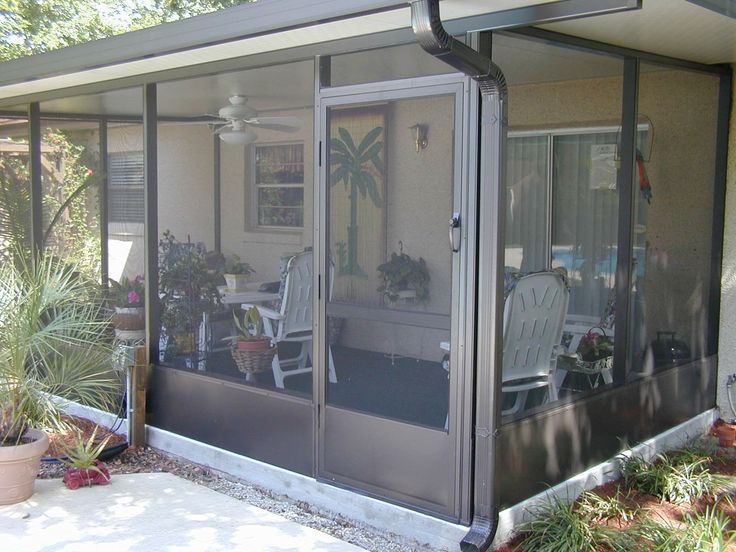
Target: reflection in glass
point(15, 207)
point(673, 219)
point(561, 219)
point(71, 179)
point(390, 294)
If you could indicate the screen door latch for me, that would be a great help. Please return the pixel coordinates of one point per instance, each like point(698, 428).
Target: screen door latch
point(455, 232)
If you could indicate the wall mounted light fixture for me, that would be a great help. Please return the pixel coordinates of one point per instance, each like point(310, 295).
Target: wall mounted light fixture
point(419, 134)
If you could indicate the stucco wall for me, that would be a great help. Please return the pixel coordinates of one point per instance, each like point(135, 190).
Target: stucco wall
point(727, 336)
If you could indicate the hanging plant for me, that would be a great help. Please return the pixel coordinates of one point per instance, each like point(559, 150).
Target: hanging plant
point(404, 278)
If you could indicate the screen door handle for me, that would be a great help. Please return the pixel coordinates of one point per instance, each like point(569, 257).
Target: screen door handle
point(455, 225)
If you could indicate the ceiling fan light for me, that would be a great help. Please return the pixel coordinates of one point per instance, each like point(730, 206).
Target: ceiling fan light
point(238, 137)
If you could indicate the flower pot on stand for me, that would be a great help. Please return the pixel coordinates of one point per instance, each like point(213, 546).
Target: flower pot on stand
point(19, 466)
point(129, 323)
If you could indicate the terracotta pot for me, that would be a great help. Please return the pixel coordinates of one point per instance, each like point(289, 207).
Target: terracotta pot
point(129, 318)
point(19, 466)
point(254, 344)
point(726, 435)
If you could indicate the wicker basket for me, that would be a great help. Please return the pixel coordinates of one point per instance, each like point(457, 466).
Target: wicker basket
point(253, 362)
point(573, 363)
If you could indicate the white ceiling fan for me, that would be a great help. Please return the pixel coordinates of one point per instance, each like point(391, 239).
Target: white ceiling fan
point(235, 119)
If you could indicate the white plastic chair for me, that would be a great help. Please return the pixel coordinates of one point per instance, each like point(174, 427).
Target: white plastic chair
point(534, 314)
point(294, 321)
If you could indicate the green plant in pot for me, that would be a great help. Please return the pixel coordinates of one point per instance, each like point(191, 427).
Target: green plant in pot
point(252, 351)
point(55, 344)
point(250, 335)
point(237, 273)
point(188, 290)
point(404, 278)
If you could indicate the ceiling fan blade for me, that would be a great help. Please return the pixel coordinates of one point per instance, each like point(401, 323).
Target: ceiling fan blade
point(284, 124)
point(200, 120)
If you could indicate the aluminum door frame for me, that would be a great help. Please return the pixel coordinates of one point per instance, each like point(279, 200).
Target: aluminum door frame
point(458, 438)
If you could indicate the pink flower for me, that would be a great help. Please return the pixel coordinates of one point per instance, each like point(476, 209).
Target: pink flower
point(138, 279)
point(133, 297)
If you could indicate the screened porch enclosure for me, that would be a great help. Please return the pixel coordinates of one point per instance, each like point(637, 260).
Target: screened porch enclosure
point(323, 207)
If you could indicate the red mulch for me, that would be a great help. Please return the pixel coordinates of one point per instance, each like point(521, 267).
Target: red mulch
point(724, 463)
point(58, 439)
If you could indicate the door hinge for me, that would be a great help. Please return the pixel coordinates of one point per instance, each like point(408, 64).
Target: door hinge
point(320, 153)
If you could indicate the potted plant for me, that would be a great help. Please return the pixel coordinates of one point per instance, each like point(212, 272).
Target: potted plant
point(726, 434)
point(237, 273)
point(81, 457)
point(251, 350)
point(128, 297)
point(595, 346)
point(404, 278)
point(188, 291)
point(54, 343)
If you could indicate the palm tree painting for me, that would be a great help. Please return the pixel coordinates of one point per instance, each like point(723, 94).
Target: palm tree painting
point(356, 166)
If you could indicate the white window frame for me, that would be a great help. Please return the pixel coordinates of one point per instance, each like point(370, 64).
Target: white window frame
point(256, 186)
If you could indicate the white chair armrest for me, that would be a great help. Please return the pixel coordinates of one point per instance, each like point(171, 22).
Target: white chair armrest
point(558, 350)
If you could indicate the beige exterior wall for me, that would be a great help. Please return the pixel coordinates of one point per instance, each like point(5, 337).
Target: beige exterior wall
point(727, 335)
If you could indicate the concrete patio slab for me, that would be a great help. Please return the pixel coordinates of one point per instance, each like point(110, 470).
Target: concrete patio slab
point(142, 512)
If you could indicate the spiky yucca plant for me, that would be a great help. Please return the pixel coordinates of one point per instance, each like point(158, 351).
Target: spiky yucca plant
point(54, 342)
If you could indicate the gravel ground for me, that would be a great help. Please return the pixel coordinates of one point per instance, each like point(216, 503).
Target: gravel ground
point(147, 460)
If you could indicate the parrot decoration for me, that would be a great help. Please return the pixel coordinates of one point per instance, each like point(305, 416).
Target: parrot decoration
point(644, 185)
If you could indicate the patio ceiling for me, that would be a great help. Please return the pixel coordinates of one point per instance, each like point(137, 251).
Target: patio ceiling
point(675, 28)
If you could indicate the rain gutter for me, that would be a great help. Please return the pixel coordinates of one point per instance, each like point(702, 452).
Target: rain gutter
point(430, 34)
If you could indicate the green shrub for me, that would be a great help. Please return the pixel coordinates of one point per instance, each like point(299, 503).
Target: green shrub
point(705, 532)
point(562, 527)
point(602, 508)
point(680, 476)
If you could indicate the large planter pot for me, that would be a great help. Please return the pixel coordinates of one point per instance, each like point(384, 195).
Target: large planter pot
point(129, 318)
point(19, 466)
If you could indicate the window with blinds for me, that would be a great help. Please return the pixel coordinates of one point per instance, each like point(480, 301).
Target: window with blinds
point(125, 187)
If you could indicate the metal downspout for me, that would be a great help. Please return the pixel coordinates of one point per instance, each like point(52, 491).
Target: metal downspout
point(427, 25)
